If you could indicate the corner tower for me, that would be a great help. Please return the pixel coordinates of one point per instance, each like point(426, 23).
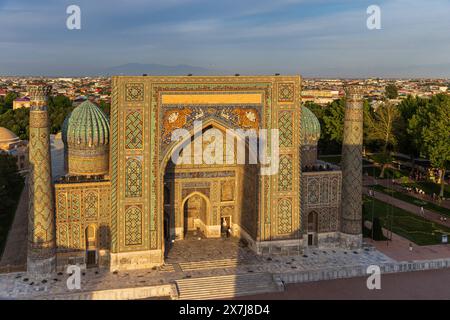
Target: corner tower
point(41, 258)
point(352, 168)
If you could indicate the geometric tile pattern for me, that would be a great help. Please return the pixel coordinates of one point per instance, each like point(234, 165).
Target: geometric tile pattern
point(286, 92)
point(352, 163)
point(133, 178)
point(41, 210)
point(285, 127)
point(133, 226)
point(313, 191)
point(62, 206)
point(321, 193)
point(91, 205)
point(88, 205)
point(133, 131)
point(75, 236)
point(285, 173)
point(134, 92)
point(284, 216)
point(75, 207)
point(62, 236)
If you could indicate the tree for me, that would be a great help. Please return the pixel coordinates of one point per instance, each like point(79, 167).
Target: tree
point(105, 106)
point(391, 91)
point(381, 126)
point(10, 181)
point(16, 121)
point(435, 133)
point(58, 107)
point(317, 109)
point(333, 124)
point(9, 99)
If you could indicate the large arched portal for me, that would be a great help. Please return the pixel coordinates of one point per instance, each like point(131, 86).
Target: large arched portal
point(263, 208)
point(201, 194)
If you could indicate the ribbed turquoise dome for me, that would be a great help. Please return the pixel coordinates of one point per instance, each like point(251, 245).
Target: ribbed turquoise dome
point(310, 127)
point(87, 126)
point(85, 134)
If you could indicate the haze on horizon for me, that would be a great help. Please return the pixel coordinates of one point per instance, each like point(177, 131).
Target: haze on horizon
point(316, 38)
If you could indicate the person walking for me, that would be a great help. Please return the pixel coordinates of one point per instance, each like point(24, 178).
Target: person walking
point(224, 226)
point(422, 212)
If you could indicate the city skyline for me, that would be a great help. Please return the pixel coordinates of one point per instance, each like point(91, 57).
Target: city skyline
point(313, 38)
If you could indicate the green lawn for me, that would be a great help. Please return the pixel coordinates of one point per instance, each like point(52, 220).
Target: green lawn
point(412, 227)
point(412, 200)
point(336, 159)
point(389, 173)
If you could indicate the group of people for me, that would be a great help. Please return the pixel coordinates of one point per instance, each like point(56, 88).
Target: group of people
point(415, 190)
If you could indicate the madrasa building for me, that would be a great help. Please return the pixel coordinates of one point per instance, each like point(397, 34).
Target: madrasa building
point(124, 203)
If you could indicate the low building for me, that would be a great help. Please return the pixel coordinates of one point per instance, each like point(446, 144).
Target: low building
point(12, 145)
point(23, 102)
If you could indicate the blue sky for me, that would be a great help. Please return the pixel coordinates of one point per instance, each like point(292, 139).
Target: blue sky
point(316, 38)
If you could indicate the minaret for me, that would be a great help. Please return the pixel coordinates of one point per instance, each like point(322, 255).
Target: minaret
point(351, 163)
point(41, 258)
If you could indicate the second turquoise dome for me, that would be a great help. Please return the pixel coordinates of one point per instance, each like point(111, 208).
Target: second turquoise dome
point(310, 127)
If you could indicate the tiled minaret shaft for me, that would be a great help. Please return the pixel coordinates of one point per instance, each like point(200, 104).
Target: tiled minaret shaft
point(352, 166)
point(41, 257)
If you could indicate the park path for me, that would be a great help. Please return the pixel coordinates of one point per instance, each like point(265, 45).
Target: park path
point(428, 214)
point(15, 253)
point(388, 184)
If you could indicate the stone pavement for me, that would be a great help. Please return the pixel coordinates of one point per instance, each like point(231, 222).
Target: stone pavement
point(398, 249)
point(418, 285)
point(20, 286)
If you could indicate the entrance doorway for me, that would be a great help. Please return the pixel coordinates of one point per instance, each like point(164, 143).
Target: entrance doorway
point(312, 228)
point(91, 246)
point(195, 213)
